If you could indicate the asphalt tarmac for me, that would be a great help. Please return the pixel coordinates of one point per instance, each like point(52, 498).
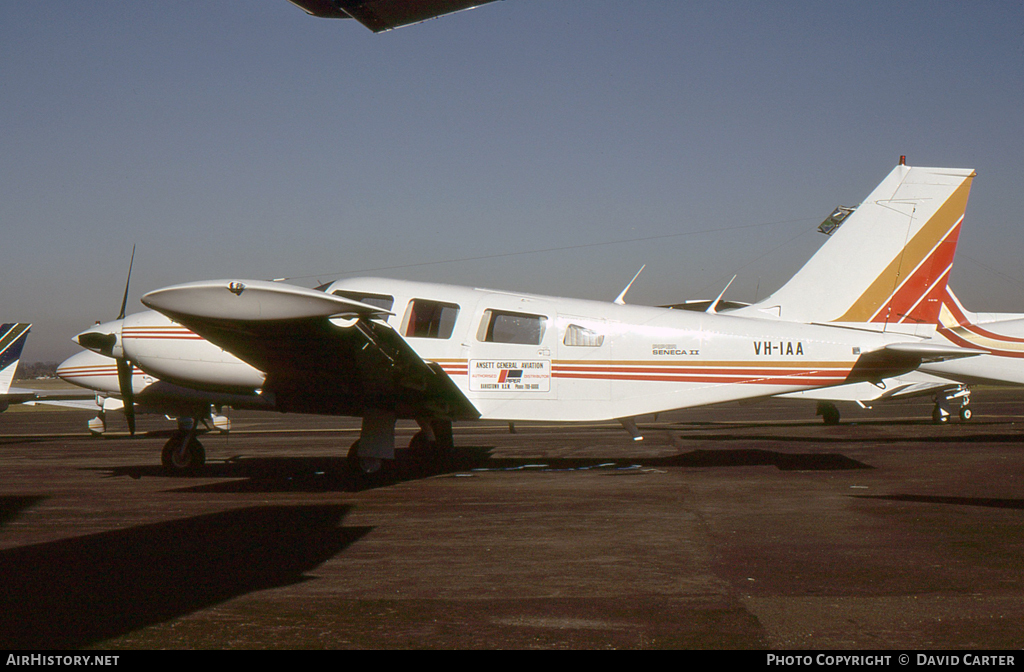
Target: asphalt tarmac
point(731, 527)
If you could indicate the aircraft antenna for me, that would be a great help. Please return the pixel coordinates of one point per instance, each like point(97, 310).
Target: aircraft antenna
point(711, 308)
point(621, 298)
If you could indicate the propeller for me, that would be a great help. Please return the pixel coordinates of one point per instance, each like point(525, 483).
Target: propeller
point(124, 365)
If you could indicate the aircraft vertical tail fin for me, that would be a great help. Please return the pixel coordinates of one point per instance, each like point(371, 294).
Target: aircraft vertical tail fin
point(888, 263)
point(12, 340)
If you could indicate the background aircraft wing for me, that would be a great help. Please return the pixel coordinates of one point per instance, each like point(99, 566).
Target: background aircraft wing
point(381, 15)
point(82, 403)
point(320, 352)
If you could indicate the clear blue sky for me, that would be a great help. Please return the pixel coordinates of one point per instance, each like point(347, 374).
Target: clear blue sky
point(243, 138)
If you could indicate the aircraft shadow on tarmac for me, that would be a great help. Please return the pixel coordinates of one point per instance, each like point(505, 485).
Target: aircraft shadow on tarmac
point(75, 592)
point(937, 436)
point(331, 474)
point(989, 502)
point(11, 506)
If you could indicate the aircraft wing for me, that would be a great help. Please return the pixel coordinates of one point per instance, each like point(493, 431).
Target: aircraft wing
point(81, 404)
point(32, 397)
point(321, 353)
point(381, 15)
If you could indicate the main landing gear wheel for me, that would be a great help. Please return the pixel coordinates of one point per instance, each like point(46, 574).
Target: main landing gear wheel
point(362, 465)
point(432, 447)
point(940, 416)
point(182, 454)
point(828, 412)
point(966, 413)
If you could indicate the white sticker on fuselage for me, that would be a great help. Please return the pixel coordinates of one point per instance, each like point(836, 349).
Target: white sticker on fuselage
point(503, 375)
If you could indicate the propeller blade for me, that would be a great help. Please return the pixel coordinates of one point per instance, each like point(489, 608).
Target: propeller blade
point(124, 383)
point(124, 367)
point(124, 301)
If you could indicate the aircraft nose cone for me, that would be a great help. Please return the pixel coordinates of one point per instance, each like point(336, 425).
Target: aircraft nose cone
point(62, 370)
point(72, 367)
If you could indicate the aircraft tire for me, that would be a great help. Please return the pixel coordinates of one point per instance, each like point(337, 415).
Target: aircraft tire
point(445, 437)
point(420, 442)
point(938, 417)
point(829, 413)
point(362, 466)
point(175, 463)
point(966, 413)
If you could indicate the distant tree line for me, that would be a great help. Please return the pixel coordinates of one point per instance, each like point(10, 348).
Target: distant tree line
point(30, 370)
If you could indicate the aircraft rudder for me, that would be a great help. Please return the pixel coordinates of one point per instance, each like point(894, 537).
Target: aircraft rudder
point(888, 258)
point(920, 273)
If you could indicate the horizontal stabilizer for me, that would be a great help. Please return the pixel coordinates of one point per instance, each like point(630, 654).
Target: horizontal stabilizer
point(933, 352)
point(898, 358)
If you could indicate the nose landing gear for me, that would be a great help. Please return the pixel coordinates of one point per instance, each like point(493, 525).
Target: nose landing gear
point(183, 454)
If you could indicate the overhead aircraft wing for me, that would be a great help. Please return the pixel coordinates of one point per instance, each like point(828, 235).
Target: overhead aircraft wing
point(899, 358)
point(381, 15)
point(321, 353)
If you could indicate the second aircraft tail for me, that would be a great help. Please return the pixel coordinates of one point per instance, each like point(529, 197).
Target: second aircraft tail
point(12, 340)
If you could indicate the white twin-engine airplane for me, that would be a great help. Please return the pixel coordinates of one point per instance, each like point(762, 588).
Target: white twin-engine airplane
point(385, 350)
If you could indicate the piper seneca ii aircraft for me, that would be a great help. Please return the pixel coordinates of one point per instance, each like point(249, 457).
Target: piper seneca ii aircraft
point(385, 350)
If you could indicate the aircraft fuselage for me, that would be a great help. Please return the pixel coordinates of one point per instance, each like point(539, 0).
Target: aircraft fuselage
point(518, 356)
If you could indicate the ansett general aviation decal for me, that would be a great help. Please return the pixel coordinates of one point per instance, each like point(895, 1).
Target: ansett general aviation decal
point(512, 375)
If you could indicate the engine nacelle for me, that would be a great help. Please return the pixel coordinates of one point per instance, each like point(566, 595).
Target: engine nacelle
point(165, 349)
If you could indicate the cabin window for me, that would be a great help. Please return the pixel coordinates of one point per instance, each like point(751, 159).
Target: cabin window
point(431, 319)
point(581, 337)
point(503, 327)
point(382, 301)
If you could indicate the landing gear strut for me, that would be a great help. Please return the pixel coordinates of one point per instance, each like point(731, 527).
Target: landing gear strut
point(433, 444)
point(374, 452)
point(943, 403)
